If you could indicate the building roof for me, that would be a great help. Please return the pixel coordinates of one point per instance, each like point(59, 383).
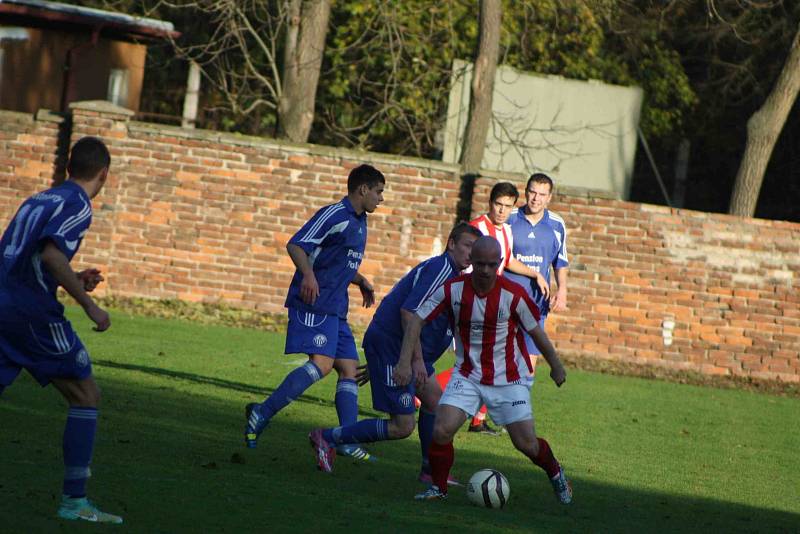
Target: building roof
point(111, 23)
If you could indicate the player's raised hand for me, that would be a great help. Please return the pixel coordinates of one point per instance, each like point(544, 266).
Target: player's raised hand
point(367, 292)
point(309, 288)
point(558, 374)
point(90, 278)
point(100, 318)
point(402, 374)
point(362, 374)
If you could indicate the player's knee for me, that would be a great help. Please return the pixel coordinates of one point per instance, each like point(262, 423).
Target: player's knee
point(403, 427)
point(88, 395)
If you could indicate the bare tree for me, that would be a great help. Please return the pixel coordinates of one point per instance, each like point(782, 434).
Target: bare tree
point(483, 74)
point(260, 56)
point(763, 130)
point(305, 44)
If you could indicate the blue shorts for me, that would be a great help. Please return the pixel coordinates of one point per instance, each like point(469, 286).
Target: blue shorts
point(383, 352)
point(529, 344)
point(47, 347)
point(314, 333)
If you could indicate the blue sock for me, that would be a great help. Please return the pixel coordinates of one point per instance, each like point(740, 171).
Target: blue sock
point(365, 431)
point(347, 401)
point(78, 444)
point(292, 387)
point(425, 429)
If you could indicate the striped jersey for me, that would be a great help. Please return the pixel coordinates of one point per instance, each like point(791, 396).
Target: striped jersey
point(538, 246)
point(503, 235)
point(409, 294)
point(334, 239)
point(490, 348)
point(61, 215)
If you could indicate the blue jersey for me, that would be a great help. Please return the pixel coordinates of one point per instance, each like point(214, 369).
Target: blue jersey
point(334, 239)
point(539, 247)
point(409, 294)
point(61, 215)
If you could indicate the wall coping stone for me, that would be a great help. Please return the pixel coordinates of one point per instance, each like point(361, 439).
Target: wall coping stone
point(302, 148)
point(101, 106)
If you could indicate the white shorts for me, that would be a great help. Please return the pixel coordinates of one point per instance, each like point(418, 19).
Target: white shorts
point(506, 404)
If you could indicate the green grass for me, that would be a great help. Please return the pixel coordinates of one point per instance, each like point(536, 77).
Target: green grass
point(643, 455)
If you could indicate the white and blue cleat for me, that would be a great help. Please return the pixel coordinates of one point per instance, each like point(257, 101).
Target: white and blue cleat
point(255, 424)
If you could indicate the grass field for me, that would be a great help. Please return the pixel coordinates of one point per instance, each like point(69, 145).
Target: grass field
point(644, 456)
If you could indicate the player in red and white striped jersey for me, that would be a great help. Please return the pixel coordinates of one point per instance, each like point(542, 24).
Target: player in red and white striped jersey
point(502, 200)
point(488, 314)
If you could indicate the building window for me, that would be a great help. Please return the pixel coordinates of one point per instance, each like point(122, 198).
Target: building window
point(118, 87)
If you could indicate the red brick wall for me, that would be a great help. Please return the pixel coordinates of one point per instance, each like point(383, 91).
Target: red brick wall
point(205, 216)
point(730, 285)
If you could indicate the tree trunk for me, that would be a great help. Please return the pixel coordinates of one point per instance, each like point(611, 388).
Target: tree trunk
point(305, 44)
point(763, 130)
point(483, 73)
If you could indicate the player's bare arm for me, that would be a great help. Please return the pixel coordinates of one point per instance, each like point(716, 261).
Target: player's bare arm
point(558, 300)
point(309, 288)
point(516, 266)
point(402, 371)
point(557, 371)
point(58, 266)
point(417, 363)
point(367, 291)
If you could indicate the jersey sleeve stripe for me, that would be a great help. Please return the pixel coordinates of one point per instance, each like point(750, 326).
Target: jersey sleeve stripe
point(438, 281)
point(335, 229)
point(75, 220)
point(327, 214)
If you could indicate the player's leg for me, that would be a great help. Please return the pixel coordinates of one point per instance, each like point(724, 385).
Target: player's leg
point(511, 406)
point(306, 333)
point(57, 356)
point(460, 399)
point(381, 353)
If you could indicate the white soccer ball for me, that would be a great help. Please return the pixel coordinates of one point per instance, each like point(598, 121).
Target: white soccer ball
point(488, 488)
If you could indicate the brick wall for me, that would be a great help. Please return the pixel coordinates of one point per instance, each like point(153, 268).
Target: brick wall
point(729, 284)
point(205, 216)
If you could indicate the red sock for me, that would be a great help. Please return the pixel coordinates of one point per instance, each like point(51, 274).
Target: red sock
point(546, 460)
point(441, 458)
point(480, 417)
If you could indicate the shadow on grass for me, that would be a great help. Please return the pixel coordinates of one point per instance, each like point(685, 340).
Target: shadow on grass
point(220, 383)
point(170, 459)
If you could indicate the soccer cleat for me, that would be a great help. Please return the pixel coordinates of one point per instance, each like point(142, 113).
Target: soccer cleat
point(254, 425)
point(83, 509)
point(433, 493)
point(323, 451)
point(484, 428)
point(562, 487)
point(426, 478)
point(356, 452)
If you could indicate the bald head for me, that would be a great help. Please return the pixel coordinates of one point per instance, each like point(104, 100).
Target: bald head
point(487, 249)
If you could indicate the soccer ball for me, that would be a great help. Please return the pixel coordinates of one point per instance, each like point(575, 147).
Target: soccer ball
point(488, 488)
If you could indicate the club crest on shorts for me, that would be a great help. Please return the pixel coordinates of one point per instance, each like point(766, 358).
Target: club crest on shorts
point(82, 358)
point(320, 340)
point(405, 400)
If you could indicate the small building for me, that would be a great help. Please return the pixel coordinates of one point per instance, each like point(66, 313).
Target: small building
point(52, 54)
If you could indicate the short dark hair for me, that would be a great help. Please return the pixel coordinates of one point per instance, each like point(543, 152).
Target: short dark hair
point(539, 178)
point(88, 157)
point(364, 174)
point(503, 189)
point(462, 228)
